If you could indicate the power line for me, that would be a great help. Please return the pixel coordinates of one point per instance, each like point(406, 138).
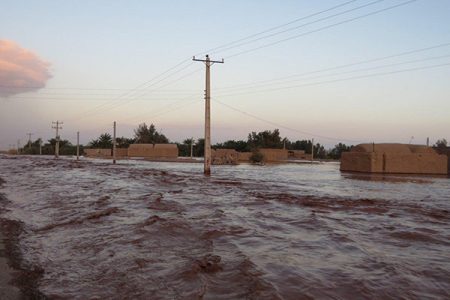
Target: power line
point(342, 79)
point(277, 27)
point(90, 99)
point(178, 101)
point(343, 66)
point(283, 126)
point(322, 28)
point(119, 99)
point(135, 98)
point(68, 88)
point(300, 26)
point(277, 82)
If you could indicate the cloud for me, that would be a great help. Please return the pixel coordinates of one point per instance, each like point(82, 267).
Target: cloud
point(20, 70)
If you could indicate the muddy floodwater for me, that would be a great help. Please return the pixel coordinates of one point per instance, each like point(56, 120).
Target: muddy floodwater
point(146, 230)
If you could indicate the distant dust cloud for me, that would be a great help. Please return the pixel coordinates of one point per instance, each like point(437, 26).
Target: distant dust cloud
point(20, 70)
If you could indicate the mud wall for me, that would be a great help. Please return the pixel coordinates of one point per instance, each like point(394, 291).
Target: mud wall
point(244, 156)
point(299, 154)
point(224, 156)
point(121, 152)
point(272, 155)
point(361, 162)
point(402, 159)
point(445, 151)
point(153, 150)
point(415, 163)
point(98, 152)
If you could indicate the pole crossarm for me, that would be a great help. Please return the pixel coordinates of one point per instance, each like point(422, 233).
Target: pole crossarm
point(208, 60)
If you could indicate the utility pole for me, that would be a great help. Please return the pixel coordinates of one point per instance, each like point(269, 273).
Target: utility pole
point(29, 140)
point(207, 160)
point(57, 127)
point(428, 142)
point(312, 150)
point(114, 143)
point(78, 145)
point(18, 146)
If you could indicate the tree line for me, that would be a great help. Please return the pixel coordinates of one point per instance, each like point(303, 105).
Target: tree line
point(145, 134)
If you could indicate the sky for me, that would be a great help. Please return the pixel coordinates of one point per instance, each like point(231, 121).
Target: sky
point(336, 71)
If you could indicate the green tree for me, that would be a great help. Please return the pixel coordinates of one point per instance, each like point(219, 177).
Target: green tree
point(441, 144)
point(103, 142)
point(240, 145)
point(336, 152)
point(199, 148)
point(124, 142)
point(319, 151)
point(265, 139)
point(301, 145)
point(184, 148)
point(149, 135)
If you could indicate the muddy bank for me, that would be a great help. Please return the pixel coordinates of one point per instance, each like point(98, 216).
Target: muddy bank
point(141, 230)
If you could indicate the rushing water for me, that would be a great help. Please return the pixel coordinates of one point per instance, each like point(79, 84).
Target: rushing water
point(142, 230)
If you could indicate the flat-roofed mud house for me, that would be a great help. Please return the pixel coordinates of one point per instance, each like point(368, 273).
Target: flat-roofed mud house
point(394, 158)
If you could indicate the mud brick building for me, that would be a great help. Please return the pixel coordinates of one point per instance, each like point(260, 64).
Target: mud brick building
point(394, 158)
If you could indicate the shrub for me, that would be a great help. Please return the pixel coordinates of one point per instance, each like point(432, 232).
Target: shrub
point(257, 157)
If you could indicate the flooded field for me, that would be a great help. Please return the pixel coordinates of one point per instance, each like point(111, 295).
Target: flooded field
point(144, 230)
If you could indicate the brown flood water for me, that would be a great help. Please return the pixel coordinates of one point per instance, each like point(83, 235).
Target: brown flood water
point(143, 230)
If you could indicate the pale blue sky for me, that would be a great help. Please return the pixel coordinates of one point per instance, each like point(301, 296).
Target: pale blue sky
point(115, 46)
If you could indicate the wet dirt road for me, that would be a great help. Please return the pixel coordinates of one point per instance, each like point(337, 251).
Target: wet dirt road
point(142, 230)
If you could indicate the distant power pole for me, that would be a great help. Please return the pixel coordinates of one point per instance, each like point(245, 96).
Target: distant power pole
point(207, 160)
point(428, 142)
point(114, 143)
point(78, 145)
point(312, 150)
point(57, 127)
point(29, 139)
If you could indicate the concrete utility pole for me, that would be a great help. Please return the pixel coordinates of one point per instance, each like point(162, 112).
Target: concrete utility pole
point(114, 143)
point(29, 140)
point(78, 145)
point(57, 127)
point(208, 63)
point(312, 150)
